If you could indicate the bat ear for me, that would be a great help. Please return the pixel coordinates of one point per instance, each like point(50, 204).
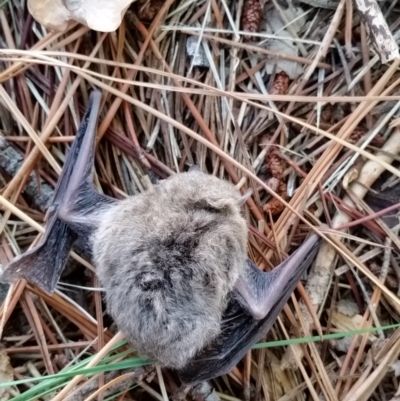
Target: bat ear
point(245, 196)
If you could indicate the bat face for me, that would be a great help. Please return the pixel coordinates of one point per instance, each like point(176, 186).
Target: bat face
point(173, 262)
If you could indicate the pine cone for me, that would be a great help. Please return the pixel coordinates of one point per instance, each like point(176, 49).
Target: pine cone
point(274, 205)
point(251, 17)
point(281, 84)
point(357, 134)
point(274, 164)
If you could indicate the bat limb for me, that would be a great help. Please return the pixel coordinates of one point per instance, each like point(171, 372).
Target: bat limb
point(240, 329)
point(74, 201)
point(259, 291)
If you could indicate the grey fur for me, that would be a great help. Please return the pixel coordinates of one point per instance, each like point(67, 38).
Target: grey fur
point(168, 259)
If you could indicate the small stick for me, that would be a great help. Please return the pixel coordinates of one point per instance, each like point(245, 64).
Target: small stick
point(377, 29)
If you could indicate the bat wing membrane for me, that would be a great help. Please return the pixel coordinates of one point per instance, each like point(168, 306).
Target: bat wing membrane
point(240, 330)
point(74, 196)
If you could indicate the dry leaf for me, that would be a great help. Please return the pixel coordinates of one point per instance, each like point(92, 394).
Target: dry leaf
point(99, 15)
point(6, 375)
point(348, 307)
point(288, 360)
point(275, 25)
point(345, 323)
point(196, 52)
point(52, 14)
point(349, 177)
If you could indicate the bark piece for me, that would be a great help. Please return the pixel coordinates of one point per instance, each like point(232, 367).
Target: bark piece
point(377, 29)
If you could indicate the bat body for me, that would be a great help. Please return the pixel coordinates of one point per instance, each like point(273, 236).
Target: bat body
point(172, 260)
point(173, 254)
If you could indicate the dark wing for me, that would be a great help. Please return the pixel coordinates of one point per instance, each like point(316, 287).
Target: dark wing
point(383, 199)
point(240, 330)
point(74, 200)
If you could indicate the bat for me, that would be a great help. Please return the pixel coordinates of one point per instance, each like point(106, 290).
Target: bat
point(173, 262)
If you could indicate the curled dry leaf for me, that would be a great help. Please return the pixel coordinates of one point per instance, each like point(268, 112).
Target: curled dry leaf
point(251, 16)
point(99, 15)
point(6, 375)
point(350, 176)
point(318, 281)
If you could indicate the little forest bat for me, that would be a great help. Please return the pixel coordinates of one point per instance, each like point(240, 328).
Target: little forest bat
point(173, 262)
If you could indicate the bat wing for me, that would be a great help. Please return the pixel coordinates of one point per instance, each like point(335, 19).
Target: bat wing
point(384, 199)
point(74, 195)
point(240, 330)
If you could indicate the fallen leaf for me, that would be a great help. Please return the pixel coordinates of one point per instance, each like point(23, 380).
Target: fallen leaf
point(348, 307)
point(345, 323)
point(52, 14)
point(275, 25)
point(196, 52)
point(99, 15)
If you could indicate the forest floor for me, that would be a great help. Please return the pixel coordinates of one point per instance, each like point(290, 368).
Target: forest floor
point(297, 100)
